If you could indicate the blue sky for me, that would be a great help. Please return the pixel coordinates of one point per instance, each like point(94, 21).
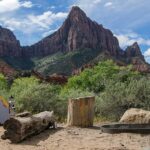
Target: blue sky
point(31, 20)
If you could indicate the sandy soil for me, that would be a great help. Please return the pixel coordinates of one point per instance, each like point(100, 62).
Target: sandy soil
point(65, 138)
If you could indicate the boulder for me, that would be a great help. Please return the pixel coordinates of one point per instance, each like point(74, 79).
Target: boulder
point(136, 116)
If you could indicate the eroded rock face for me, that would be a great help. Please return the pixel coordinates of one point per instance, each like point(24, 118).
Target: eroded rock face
point(134, 56)
point(9, 45)
point(6, 69)
point(140, 65)
point(77, 32)
point(134, 51)
point(134, 115)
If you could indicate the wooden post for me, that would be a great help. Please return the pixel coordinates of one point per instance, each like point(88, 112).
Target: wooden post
point(81, 112)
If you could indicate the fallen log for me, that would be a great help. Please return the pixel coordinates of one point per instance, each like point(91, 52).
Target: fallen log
point(19, 128)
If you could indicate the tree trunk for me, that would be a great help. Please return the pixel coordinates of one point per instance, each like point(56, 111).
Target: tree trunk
point(19, 128)
point(81, 112)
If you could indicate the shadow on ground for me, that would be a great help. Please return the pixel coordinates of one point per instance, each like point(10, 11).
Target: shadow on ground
point(34, 140)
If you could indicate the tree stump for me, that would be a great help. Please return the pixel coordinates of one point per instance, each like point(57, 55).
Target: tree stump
point(81, 112)
point(19, 128)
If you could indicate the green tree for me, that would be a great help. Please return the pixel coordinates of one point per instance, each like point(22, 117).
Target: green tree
point(3, 87)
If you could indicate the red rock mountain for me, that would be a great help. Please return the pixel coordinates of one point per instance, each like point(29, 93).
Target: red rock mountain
point(78, 32)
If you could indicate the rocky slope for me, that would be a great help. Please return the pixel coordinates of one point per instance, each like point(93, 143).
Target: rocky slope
point(6, 69)
point(79, 39)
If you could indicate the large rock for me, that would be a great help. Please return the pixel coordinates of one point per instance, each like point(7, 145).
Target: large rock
point(134, 115)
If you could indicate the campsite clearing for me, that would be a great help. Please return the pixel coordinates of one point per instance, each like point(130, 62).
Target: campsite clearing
point(72, 138)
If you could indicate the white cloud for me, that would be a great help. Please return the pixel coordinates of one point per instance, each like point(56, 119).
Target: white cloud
point(96, 1)
point(147, 53)
point(33, 23)
point(11, 5)
point(8, 5)
point(48, 32)
point(12, 23)
point(26, 4)
point(108, 4)
point(130, 38)
point(46, 19)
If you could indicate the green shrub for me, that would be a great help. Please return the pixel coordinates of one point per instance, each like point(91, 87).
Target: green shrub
point(34, 96)
point(3, 87)
point(120, 96)
point(95, 79)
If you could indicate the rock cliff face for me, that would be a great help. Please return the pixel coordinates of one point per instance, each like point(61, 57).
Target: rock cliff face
point(134, 51)
point(77, 32)
point(9, 45)
point(134, 56)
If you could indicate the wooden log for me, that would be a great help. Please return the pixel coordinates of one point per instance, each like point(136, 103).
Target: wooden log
point(81, 112)
point(19, 128)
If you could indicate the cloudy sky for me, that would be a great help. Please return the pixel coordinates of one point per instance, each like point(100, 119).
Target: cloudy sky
point(31, 20)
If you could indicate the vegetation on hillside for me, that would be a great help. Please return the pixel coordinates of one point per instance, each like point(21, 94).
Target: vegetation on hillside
point(116, 89)
point(60, 63)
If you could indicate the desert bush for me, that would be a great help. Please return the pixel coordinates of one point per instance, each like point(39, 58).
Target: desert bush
point(3, 87)
point(34, 96)
point(120, 96)
point(95, 79)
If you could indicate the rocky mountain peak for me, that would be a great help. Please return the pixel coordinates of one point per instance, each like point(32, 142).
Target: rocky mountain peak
point(76, 14)
point(134, 51)
point(78, 32)
point(135, 47)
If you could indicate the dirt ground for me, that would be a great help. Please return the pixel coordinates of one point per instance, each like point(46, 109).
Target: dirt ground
point(66, 138)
